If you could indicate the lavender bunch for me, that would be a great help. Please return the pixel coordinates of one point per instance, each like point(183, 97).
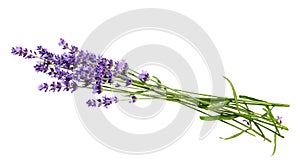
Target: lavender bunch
point(81, 69)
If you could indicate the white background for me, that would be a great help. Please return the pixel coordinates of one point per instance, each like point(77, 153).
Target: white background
point(257, 40)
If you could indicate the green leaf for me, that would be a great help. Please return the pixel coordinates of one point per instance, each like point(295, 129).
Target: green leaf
point(138, 92)
point(158, 81)
point(265, 114)
point(217, 105)
point(250, 98)
point(234, 136)
point(274, 150)
point(220, 117)
point(234, 94)
point(284, 127)
point(209, 118)
point(272, 119)
point(261, 132)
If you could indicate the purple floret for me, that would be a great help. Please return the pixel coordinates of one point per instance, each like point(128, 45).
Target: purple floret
point(144, 76)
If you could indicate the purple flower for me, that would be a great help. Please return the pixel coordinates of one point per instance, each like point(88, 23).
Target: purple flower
point(74, 86)
point(73, 49)
point(115, 99)
point(62, 75)
point(17, 51)
point(67, 85)
point(43, 86)
point(118, 85)
point(65, 60)
point(58, 86)
point(103, 72)
point(110, 63)
point(97, 87)
point(38, 47)
point(23, 52)
point(85, 58)
point(144, 76)
point(53, 87)
point(128, 81)
point(99, 102)
point(45, 54)
point(107, 101)
point(121, 67)
point(75, 67)
point(279, 118)
point(91, 102)
point(85, 64)
point(56, 66)
point(63, 43)
point(108, 77)
point(133, 99)
point(247, 122)
point(41, 67)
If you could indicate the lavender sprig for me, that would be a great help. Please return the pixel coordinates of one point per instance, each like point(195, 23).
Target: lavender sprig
point(81, 69)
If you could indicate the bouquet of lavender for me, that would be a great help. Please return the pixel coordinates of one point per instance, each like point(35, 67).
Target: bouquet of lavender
point(81, 69)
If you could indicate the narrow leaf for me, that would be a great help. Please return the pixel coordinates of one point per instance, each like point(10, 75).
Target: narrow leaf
point(220, 117)
point(250, 98)
point(218, 105)
point(284, 127)
point(234, 94)
point(234, 136)
point(215, 106)
point(273, 119)
point(274, 150)
point(138, 92)
point(158, 81)
point(209, 118)
point(262, 133)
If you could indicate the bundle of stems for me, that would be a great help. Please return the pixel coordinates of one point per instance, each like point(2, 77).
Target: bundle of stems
point(82, 69)
point(236, 112)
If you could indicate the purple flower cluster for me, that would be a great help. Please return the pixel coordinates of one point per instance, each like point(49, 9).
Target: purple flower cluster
point(56, 66)
point(23, 52)
point(133, 99)
point(84, 70)
point(106, 101)
point(76, 68)
point(121, 67)
point(98, 71)
point(144, 76)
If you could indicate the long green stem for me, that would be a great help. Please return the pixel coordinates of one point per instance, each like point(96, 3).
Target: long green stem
point(228, 110)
